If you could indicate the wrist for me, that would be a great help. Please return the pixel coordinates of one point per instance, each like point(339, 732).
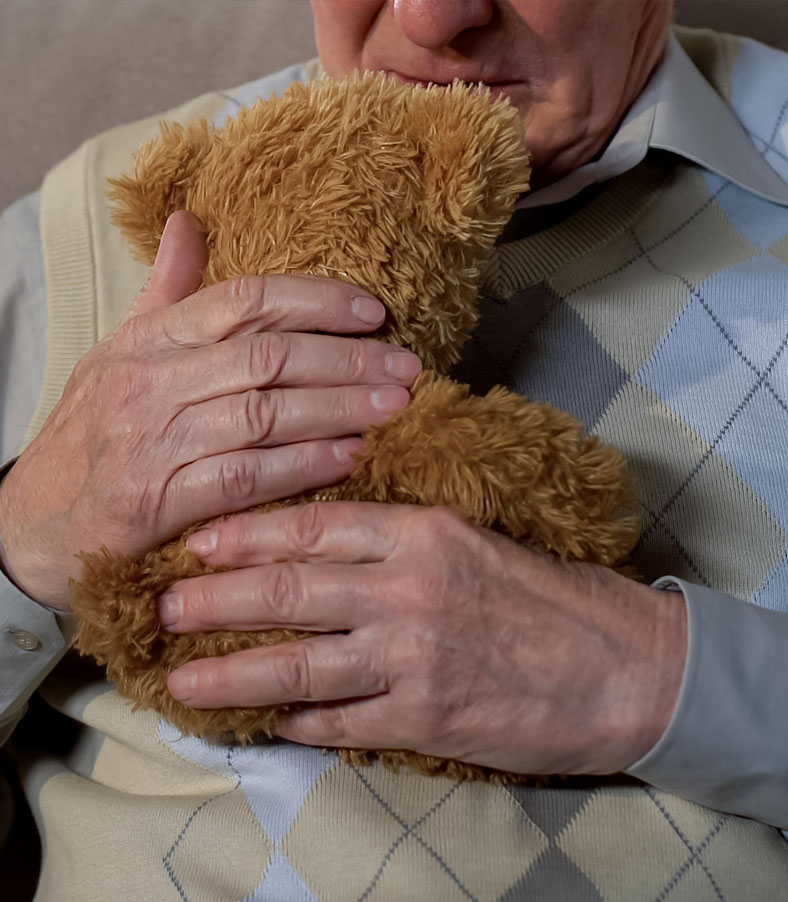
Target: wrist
point(13, 550)
point(5, 566)
point(640, 695)
point(657, 678)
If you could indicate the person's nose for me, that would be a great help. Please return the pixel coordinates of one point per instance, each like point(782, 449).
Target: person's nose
point(436, 23)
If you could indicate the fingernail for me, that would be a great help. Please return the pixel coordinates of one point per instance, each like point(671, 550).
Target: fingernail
point(389, 398)
point(403, 365)
point(170, 608)
point(203, 542)
point(368, 310)
point(346, 450)
point(182, 683)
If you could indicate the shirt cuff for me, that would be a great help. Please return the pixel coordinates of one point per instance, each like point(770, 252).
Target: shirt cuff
point(726, 745)
point(33, 639)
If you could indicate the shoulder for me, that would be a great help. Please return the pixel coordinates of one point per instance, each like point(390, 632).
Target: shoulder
point(90, 272)
point(75, 215)
point(214, 105)
point(275, 83)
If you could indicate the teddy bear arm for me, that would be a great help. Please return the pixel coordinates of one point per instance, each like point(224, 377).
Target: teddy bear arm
point(523, 468)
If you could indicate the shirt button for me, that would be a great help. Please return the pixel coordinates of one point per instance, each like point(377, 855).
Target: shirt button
point(26, 640)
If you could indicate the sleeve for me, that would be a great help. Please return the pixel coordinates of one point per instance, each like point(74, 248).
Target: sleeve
point(32, 637)
point(726, 745)
point(32, 640)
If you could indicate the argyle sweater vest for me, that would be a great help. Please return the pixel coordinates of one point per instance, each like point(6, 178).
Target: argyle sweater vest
point(657, 312)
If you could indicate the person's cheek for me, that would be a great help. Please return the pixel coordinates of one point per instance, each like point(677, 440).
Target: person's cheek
point(341, 30)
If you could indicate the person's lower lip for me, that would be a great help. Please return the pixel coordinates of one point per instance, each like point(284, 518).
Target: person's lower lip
point(503, 88)
point(496, 88)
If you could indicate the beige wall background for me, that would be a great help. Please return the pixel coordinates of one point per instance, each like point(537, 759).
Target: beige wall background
point(71, 68)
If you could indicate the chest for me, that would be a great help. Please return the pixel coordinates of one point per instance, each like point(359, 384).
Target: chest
point(670, 342)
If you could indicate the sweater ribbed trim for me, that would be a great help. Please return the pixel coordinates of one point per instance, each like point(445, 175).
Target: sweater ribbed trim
point(70, 277)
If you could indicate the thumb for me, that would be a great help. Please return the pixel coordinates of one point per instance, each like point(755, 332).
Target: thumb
point(179, 266)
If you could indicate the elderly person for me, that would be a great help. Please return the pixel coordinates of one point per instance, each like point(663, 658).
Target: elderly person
point(642, 285)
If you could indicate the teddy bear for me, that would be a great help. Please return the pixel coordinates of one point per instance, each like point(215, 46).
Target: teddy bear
point(402, 190)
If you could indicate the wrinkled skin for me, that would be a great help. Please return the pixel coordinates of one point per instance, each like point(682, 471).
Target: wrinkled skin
point(195, 408)
point(437, 635)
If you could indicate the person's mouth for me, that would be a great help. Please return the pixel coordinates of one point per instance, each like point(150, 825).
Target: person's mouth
point(496, 87)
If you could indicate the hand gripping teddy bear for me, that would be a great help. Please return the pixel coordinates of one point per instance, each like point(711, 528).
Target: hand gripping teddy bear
point(401, 190)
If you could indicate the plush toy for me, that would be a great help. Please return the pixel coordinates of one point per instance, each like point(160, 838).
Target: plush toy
point(401, 190)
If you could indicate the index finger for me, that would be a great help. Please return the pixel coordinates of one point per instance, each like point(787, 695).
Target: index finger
point(272, 303)
point(352, 532)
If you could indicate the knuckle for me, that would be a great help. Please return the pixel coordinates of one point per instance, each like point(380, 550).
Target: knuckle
point(246, 297)
point(217, 681)
point(86, 370)
point(181, 431)
point(307, 528)
point(428, 591)
point(134, 333)
point(292, 675)
point(267, 357)
point(356, 359)
point(126, 381)
point(283, 593)
point(200, 601)
point(347, 404)
point(233, 536)
point(442, 520)
point(133, 497)
point(306, 461)
point(259, 415)
point(84, 383)
point(239, 477)
point(333, 723)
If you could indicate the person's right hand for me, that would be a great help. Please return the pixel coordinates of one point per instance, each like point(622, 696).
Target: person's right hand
point(201, 403)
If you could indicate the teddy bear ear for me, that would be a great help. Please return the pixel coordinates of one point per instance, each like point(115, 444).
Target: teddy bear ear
point(164, 169)
point(465, 156)
point(475, 161)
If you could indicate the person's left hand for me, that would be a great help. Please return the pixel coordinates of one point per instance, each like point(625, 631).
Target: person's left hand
point(436, 636)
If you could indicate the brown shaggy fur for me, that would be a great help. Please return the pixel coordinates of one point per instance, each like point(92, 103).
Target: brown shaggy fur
point(401, 190)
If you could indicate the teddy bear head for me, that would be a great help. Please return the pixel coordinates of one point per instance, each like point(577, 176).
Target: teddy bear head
point(399, 189)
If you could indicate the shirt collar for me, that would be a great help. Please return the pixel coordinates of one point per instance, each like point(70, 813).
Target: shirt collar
point(678, 111)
